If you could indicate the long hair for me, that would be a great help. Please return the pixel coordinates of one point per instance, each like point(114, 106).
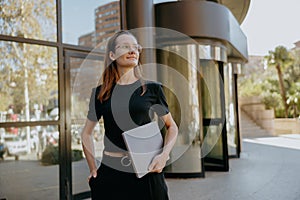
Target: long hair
point(111, 75)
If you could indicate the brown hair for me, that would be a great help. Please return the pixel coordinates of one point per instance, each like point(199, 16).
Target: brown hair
point(111, 75)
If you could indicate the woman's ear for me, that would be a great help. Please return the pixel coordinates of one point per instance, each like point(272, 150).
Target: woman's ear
point(112, 56)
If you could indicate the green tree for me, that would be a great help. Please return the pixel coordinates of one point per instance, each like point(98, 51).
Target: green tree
point(280, 58)
point(32, 68)
point(28, 71)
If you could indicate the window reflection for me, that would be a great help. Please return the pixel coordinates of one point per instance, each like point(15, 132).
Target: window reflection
point(85, 74)
point(29, 82)
point(212, 145)
point(34, 19)
point(181, 81)
point(230, 109)
point(27, 143)
point(88, 24)
point(185, 102)
point(27, 155)
point(211, 103)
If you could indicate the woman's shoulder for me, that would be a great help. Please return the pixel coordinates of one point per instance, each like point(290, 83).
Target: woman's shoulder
point(153, 86)
point(153, 83)
point(96, 90)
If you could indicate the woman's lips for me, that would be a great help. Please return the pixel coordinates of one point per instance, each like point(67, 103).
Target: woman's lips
point(131, 57)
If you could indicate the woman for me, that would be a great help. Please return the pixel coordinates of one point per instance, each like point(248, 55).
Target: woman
point(125, 101)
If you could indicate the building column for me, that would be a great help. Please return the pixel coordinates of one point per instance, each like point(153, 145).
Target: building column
point(137, 16)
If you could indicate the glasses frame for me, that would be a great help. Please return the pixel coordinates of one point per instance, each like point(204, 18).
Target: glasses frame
point(129, 47)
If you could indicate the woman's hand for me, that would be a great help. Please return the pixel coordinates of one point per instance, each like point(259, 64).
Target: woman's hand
point(158, 163)
point(93, 173)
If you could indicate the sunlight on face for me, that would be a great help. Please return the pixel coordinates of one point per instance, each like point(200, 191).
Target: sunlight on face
point(127, 51)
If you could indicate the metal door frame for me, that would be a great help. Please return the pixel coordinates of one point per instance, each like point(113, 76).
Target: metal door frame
point(66, 142)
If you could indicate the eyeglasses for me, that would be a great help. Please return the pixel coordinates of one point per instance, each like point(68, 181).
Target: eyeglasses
point(129, 47)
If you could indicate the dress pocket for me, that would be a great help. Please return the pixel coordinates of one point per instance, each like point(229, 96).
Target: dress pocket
point(91, 181)
point(158, 186)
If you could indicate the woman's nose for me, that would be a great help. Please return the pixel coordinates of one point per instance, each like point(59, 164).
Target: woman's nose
point(131, 51)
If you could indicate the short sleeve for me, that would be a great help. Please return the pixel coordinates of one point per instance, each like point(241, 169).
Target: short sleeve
point(92, 115)
point(161, 107)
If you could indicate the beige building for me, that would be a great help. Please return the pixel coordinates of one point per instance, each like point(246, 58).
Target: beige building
point(87, 40)
point(107, 22)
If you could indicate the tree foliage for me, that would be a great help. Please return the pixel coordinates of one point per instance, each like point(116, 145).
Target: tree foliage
point(278, 84)
point(28, 73)
point(280, 58)
point(29, 19)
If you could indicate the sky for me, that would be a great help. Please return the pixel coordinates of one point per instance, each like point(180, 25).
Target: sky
point(268, 23)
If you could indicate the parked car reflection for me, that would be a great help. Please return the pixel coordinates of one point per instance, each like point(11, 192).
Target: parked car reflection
point(2, 150)
point(14, 145)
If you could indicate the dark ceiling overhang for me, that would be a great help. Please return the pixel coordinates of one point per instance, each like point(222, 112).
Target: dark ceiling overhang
point(239, 8)
point(204, 20)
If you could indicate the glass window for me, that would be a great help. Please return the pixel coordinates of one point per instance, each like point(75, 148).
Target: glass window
point(180, 78)
point(212, 147)
point(231, 118)
point(29, 163)
point(211, 103)
point(34, 19)
point(28, 82)
point(85, 75)
point(87, 23)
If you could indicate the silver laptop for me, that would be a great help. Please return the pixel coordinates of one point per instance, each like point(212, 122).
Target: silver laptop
point(143, 144)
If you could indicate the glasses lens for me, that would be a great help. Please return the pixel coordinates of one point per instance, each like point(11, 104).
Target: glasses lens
point(139, 48)
point(128, 47)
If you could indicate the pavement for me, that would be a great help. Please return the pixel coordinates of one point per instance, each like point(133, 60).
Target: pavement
point(268, 169)
point(265, 171)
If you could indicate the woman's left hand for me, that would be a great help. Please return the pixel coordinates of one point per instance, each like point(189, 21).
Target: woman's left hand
point(158, 163)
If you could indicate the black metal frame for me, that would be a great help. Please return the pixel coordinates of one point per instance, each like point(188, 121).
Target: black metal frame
point(216, 164)
point(237, 126)
point(67, 148)
point(239, 149)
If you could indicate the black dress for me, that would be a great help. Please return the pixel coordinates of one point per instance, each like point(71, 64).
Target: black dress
point(126, 108)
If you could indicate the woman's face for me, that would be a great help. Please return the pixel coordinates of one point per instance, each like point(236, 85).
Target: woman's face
point(127, 51)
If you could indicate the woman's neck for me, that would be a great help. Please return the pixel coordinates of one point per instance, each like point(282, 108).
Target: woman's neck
point(127, 76)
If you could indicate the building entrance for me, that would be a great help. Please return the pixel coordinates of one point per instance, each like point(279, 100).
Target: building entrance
point(82, 73)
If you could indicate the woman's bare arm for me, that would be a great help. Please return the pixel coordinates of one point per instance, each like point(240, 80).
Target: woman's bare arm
point(160, 160)
point(88, 146)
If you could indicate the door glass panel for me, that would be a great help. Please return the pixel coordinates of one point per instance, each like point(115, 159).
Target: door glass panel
point(181, 83)
point(84, 75)
point(88, 23)
point(214, 142)
point(28, 82)
point(231, 117)
point(34, 19)
point(29, 162)
point(211, 101)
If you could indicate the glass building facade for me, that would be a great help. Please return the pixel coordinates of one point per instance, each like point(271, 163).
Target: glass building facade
point(52, 55)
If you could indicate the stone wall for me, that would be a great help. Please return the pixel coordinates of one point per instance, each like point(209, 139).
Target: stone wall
point(287, 126)
point(264, 118)
point(256, 110)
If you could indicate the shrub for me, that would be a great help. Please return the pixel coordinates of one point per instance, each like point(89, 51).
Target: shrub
point(50, 155)
point(76, 155)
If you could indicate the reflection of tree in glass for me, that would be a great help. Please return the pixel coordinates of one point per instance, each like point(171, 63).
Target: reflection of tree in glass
point(28, 19)
point(29, 71)
point(32, 69)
